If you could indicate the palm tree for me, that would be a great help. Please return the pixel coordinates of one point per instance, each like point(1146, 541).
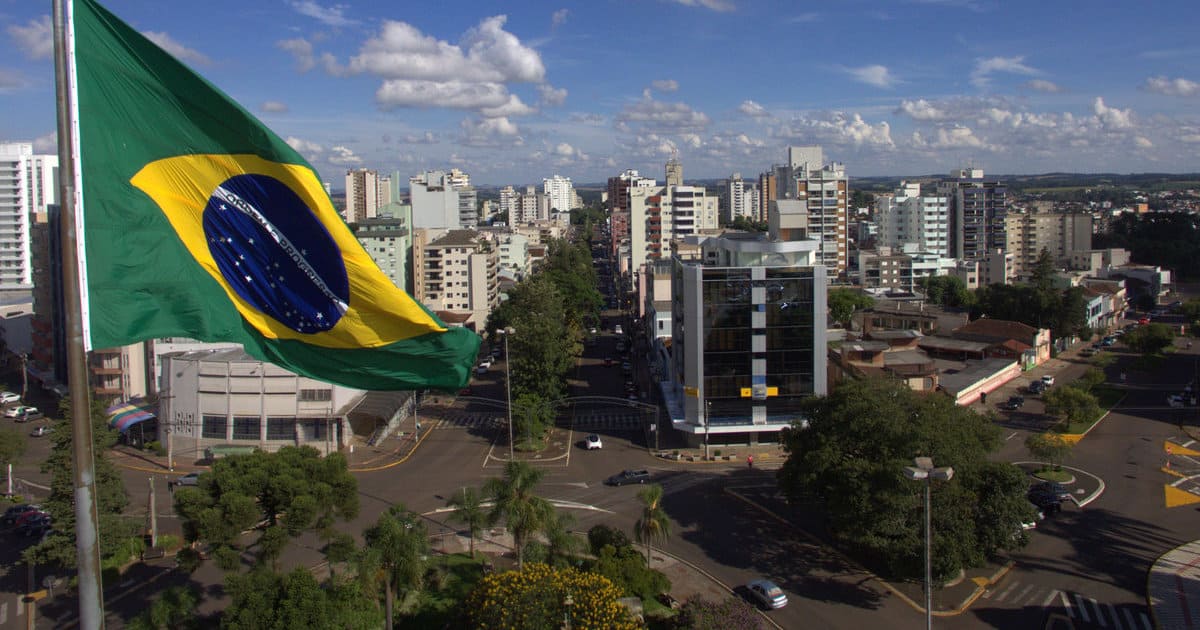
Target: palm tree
point(513, 500)
point(561, 544)
point(395, 548)
point(468, 510)
point(654, 523)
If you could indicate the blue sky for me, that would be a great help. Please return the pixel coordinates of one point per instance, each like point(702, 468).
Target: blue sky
point(516, 91)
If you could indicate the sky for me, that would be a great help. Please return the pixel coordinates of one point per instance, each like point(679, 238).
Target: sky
point(513, 92)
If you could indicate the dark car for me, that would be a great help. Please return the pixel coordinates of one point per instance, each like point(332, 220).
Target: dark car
point(13, 513)
point(35, 526)
point(1052, 487)
point(1047, 502)
point(1037, 387)
point(1013, 403)
point(628, 476)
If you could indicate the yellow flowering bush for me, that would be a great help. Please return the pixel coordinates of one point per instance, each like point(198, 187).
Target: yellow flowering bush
point(537, 597)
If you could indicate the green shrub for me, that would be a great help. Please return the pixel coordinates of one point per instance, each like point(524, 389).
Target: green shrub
point(602, 535)
point(157, 448)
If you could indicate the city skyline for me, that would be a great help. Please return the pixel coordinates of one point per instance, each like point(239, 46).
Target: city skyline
point(887, 88)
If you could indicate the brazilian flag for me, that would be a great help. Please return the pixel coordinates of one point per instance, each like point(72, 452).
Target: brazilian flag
point(198, 221)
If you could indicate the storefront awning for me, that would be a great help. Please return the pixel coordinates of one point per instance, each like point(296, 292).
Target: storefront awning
point(126, 414)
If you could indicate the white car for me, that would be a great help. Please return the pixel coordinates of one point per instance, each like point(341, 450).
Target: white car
point(9, 397)
point(1048, 379)
point(18, 411)
point(617, 330)
point(592, 442)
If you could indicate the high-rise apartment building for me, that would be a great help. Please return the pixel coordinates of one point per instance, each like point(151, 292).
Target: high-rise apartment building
point(824, 189)
point(1061, 234)
point(977, 212)
point(559, 192)
point(458, 273)
point(366, 191)
point(386, 240)
point(674, 170)
point(766, 194)
point(659, 215)
point(443, 200)
point(28, 184)
point(910, 216)
point(739, 199)
point(509, 203)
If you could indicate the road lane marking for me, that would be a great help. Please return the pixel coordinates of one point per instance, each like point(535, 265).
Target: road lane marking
point(1050, 597)
point(1145, 621)
point(1014, 434)
point(1007, 591)
point(1021, 598)
point(1081, 600)
point(1066, 604)
point(1129, 618)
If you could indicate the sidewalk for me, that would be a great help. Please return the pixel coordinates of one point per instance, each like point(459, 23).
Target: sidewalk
point(1173, 588)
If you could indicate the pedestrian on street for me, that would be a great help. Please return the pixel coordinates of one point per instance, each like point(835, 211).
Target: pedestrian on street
point(750, 462)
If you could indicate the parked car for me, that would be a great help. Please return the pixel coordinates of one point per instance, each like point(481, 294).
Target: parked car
point(482, 369)
point(18, 411)
point(41, 431)
point(1036, 387)
point(34, 526)
point(1052, 487)
point(29, 414)
point(767, 593)
point(592, 442)
point(14, 512)
point(1014, 403)
point(618, 330)
point(1181, 400)
point(190, 479)
point(1108, 342)
point(627, 366)
point(1048, 379)
point(608, 361)
point(27, 516)
point(9, 397)
point(628, 476)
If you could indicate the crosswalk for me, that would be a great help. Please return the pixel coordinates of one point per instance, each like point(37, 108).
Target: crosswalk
point(1084, 611)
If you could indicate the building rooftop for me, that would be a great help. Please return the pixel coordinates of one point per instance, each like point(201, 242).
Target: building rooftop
point(456, 238)
point(935, 342)
point(972, 372)
point(999, 328)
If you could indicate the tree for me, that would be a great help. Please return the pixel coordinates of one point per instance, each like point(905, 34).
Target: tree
point(397, 545)
point(284, 494)
point(1072, 404)
point(172, 609)
point(543, 347)
point(654, 524)
point(537, 596)
point(733, 613)
point(1090, 378)
point(852, 457)
point(468, 510)
point(1049, 447)
point(1042, 274)
point(514, 501)
point(115, 530)
point(1149, 339)
point(948, 291)
point(531, 417)
point(601, 535)
point(562, 546)
point(843, 303)
point(626, 568)
point(1002, 506)
point(264, 600)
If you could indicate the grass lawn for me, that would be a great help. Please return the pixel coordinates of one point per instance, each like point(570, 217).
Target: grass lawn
point(1049, 474)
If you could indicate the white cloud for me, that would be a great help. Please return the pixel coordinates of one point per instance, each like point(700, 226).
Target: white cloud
point(452, 94)
point(46, 144)
point(661, 114)
point(1112, 117)
point(36, 39)
point(487, 53)
point(551, 96)
point(1143, 142)
point(981, 75)
point(1042, 85)
point(330, 16)
point(343, 156)
point(559, 18)
point(177, 50)
point(426, 138)
point(838, 129)
point(301, 50)
point(721, 6)
point(876, 75)
point(665, 85)
point(274, 107)
point(804, 18)
point(1171, 87)
point(587, 118)
point(921, 109)
point(752, 109)
point(490, 132)
point(304, 146)
point(956, 137)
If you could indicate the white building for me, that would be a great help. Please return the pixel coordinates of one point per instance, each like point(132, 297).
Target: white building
point(458, 273)
point(510, 201)
point(909, 218)
point(28, 183)
point(560, 193)
point(443, 200)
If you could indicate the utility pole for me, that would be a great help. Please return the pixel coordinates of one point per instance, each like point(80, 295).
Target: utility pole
point(153, 516)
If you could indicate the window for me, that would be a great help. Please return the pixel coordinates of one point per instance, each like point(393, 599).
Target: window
point(316, 395)
point(281, 428)
point(214, 427)
point(317, 429)
point(245, 428)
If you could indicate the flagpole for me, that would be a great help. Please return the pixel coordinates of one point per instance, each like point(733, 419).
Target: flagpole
point(87, 543)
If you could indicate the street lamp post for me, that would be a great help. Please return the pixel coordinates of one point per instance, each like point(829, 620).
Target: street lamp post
point(924, 471)
point(508, 386)
point(707, 411)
